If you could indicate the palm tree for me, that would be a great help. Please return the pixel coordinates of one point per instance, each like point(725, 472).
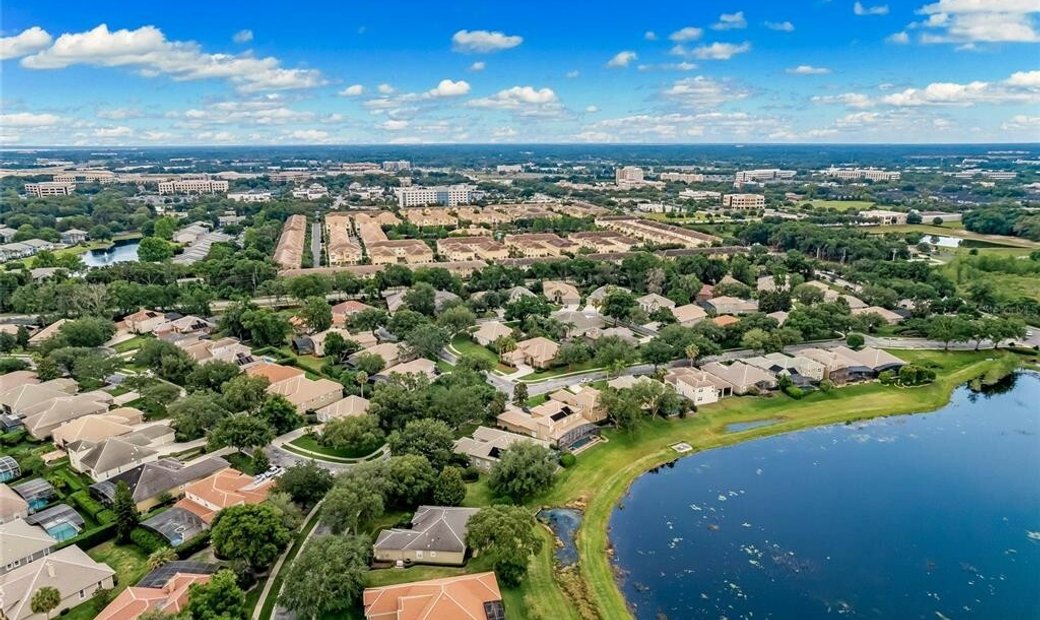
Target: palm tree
point(160, 557)
point(692, 351)
point(362, 379)
point(45, 600)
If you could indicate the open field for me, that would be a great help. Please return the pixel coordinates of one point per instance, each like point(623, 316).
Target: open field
point(841, 205)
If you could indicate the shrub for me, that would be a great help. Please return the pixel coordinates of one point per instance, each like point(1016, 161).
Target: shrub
point(147, 540)
point(13, 438)
point(87, 504)
point(471, 474)
point(193, 545)
point(567, 460)
point(794, 392)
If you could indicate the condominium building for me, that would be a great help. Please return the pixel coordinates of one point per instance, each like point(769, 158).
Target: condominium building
point(343, 249)
point(288, 254)
point(657, 232)
point(471, 248)
point(628, 176)
point(253, 195)
point(764, 175)
point(743, 201)
point(449, 195)
point(870, 174)
point(103, 177)
point(370, 227)
point(540, 244)
point(406, 251)
point(681, 177)
point(430, 217)
point(192, 186)
point(700, 195)
point(604, 241)
point(49, 188)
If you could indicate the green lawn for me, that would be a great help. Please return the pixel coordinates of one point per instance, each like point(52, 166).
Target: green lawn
point(306, 442)
point(560, 370)
point(129, 563)
point(841, 205)
point(465, 346)
point(132, 344)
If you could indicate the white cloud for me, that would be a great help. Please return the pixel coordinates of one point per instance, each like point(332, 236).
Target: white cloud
point(243, 36)
point(28, 41)
point(702, 91)
point(118, 114)
point(808, 70)
point(622, 59)
point(28, 119)
point(478, 66)
point(472, 41)
point(688, 33)
point(385, 89)
point(155, 136)
point(224, 137)
point(953, 94)
point(1021, 122)
point(781, 26)
point(152, 54)
point(262, 111)
point(354, 90)
point(448, 88)
point(650, 35)
point(573, 74)
point(522, 100)
point(1025, 79)
point(899, 38)
point(504, 133)
point(979, 21)
point(674, 66)
point(715, 51)
point(308, 135)
point(731, 21)
point(394, 125)
point(113, 132)
point(591, 109)
point(860, 9)
point(852, 100)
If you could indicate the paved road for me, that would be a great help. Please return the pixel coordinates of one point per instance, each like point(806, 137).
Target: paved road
point(316, 243)
point(284, 301)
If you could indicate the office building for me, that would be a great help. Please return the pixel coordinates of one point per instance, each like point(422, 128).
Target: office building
point(192, 186)
point(49, 188)
point(743, 201)
point(449, 195)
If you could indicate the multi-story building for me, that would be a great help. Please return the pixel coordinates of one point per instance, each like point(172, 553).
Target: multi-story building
point(288, 254)
point(103, 177)
point(743, 201)
point(700, 195)
point(49, 188)
point(885, 217)
point(628, 176)
point(870, 174)
point(540, 244)
point(253, 195)
point(399, 165)
point(449, 195)
point(289, 176)
point(343, 249)
point(192, 186)
point(471, 248)
point(604, 241)
point(681, 177)
point(764, 175)
point(657, 232)
point(430, 217)
point(509, 168)
point(407, 251)
point(312, 192)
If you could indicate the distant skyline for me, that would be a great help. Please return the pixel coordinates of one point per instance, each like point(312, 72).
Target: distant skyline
point(188, 73)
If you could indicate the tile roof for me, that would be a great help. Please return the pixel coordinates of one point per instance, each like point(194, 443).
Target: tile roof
point(465, 597)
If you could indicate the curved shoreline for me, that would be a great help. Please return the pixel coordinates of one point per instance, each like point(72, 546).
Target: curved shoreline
point(594, 552)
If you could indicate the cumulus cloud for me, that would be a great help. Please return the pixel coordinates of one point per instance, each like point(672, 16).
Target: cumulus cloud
point(243, 36)
point(677, 127)
point(966, 22)
point(781, 26)
point(852, 100)
point(448, 88)
point(28, 41)
point(688, 33)
point(573, 74)
point(670, 66)
point(117, 114)
point(475, 41)
point(702, 91)
point(591, 109)
point(385, 89)
point(808, 70)
point(650, 35)
point(730, 21)
point(262, 111)
point(354, 90)
point(28, 119)
point(1021, 122)
point(714, 51)
point(523, 101)
point(899, 38)
point(859, 9)
point(622, 59)
point(478, 66)
point(113, 132)
point(1022, 87)
point(394, 125)
point(148, 50)
point(308, 135)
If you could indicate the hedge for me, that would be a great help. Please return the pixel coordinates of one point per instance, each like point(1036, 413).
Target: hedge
point(89, 505)
point(147, 540)
point(193, 545)
point(90, 538)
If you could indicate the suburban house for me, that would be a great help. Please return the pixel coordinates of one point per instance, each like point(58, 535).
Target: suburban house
point(464, 597)
point(148, 482)
point(743, 377)
point(70, 571)
point(16, 400)
point(801, 370)
point(491, 331)
point(98, 426)
point(569, 416)
point(485, 445)
point(538, 352)
point(579, 322)
point(854, 303)
point(228, 349)
point(364, 339)
point(171, 598)
point(779, 316)
point(519, 291)
point(596, 297)
point(390, 352)
point(623, 333)
point(437, 536)
point(560, 292)
point(342, 311)
point(20, 544)
point(17, 378)
point(703, 388)
point(182, 327)
point(106, 458)
point(47, 333)
point(41, 419)
point(892, 318)
point(305, 394)
point(352, 405)
point(144, 321)
point(651, 302)
point(732, 305)
point(875, 359)
point(12, 506)
point(689, 314)
point(725, 320)
point(419, 366)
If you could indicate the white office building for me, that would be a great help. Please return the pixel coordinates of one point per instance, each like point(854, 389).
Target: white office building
point(628, 176)
point(448, 195)
point(399, 165)
point(743, 201)
point(253, 195)
point(192, 186)
point(764, 175)
point(869, 174)
point(49, 188)
point(103, 177)
point(681, 177)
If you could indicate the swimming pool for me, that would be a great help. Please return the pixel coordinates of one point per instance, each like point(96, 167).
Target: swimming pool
point(62, 531)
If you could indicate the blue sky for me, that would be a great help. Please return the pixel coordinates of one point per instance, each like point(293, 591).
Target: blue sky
point(139, 73)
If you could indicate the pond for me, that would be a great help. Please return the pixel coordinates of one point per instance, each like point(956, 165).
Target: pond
point(564, 523)
point(120, 252)
point(926, 516)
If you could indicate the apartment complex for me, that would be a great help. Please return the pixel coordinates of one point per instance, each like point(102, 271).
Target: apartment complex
point(49, 188)
point(288, 254)
point(628, 176)
point(448, 195)
point(743, 201)
point(604, 241)
point(681, 177)
point(540, 244)
point(399, 165)
point(870, 174)
point(471, 248)
point(192, 186)
point(103, 177)
point(342, 248)
point(430, 217)
point(656, 232)
point(406, 251)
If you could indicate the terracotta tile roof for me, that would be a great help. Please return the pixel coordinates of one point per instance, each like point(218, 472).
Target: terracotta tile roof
point(273, 372)
point(451, 598)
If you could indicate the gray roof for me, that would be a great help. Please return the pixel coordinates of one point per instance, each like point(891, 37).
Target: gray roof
point(116, 452)
point(434, 528)
point(176, 525)
point(151, 479)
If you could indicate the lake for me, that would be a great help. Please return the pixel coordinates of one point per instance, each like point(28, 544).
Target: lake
point(927, 516)
point(120, 252)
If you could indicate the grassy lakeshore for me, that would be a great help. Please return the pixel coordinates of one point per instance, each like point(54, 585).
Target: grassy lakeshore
point(602, 476)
